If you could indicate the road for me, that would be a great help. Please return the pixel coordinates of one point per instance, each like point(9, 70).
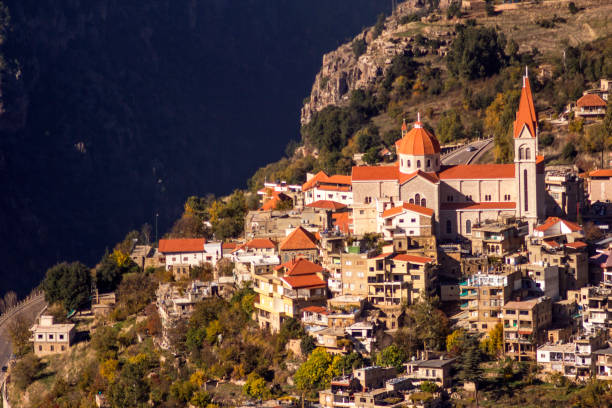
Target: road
point(463, 156)
point(28, 311)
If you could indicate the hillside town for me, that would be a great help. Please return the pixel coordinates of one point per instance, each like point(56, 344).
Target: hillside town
point(520, 248)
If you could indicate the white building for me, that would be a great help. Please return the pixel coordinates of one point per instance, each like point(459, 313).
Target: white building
point(189, 252)
point(51, 338)
point(329, 188)
point(405, 219)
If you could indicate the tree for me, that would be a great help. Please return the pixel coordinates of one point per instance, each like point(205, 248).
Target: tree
point(256, 387)
point(131, 389)
point(455, 341)
point(391, 356)
point(494, 344)
point(19, 333)
point(359, 47)
point(307, 344)
point(379, 26)
point(201, 399)
point(317, 371)
point(111, 268)
point(225, 267)
point(104, 342)
point(68, 283)
point(371, 157)
point(430, 324)
point(476, 52)
point(450, 127)
point(572, 7)
point(10, 299)
point(469, 363)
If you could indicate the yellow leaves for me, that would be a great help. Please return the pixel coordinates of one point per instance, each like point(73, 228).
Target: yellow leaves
point(137, 359)
point(121, 258)
point(215, 210)
point(493, 112)
point(198, 378)
point(108, 370)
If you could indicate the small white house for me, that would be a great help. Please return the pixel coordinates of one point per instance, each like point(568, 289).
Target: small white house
point(405, 220)
point(189, 252)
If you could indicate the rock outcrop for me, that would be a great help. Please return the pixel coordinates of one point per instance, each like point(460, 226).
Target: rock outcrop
point(342, 72)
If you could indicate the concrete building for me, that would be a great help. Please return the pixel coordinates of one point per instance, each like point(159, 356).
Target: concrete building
point(590, 106)
point(565, 192)
point(484, 294)
point(406, 219)
point(284, 293)
point(461, 195)
point(436, 370)
point(498, 238)
point(51, 338)
point(354, 274)
point(574, 359)
point(524, 324)
point(599, 185)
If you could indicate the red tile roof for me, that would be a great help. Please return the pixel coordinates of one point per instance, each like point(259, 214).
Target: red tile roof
point(591, 100)
point(601, 173)
point(229, 245)
point(418, 142)
point(327, 205)
point(321, 177)
point(413, 259)
point(381, 256)
point(182, 245)
point(431, 177)
point(313, 181)
point(526, 114)
point(258, 243)
point(299, 239)
point(504, 205)
point(271, 204)
point(478, 171)
point(334, 188)
point(551, 243)
point(407, 207)
point(339, 179)
point(341, 220)
point(576, 245)
point(304, 281)
point(552, 221)
point(366, 173)
point(316, 309)
point(300, 266)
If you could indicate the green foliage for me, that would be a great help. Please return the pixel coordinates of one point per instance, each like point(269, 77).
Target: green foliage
point(498, 122)
point(104, 341)
point(476, 52)
point(256, 387)
point(371, 156)
point(576, 125)
point(307, 344)
point(111, 269)
point(409, 18)
point(135, 292)
point(469, 361)
point(68, 283)
point(596, 139)
point(428, 386)
point(367, 138)
point(359, 47)
point(201, 399)
point(392, 356)
point(429, 323)
point(550, 22)
point(455, 341)
point(379, 26)
point(607, 121)
point(317, 372)
point(25, 371)
point(454, 9)
point(595, 394)
point(569, 152)
point(546, 139)
point(450, 127)
point(19, 333)
point(131, 390)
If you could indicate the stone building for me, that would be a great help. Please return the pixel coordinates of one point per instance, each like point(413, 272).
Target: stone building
point(524, 324)
point(300, 243)
point(460, 195)
point(51, 338)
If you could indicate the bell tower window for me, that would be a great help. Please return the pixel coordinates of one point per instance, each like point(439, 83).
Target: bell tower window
point(418, 163)
point(525, 188)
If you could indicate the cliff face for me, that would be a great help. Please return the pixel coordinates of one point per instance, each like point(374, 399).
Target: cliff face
point(342, 72)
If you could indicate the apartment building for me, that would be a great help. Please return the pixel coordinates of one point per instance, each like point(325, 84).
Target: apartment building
point(50, 338)
point(602, 360)
point(524, 324)
point(574, 359)
point(498, 238)
point(343, 390)
point(484, 294)
point(283, 293)
point(320, 186)
point(596, 305)
point(354, 274)
point(394, 279)
point(565, 194)
point(405, 219)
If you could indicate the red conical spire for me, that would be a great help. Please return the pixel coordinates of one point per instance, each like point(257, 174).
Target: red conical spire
point(526, 114)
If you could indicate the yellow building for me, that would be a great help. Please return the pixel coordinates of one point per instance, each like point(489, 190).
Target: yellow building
point(283, 293)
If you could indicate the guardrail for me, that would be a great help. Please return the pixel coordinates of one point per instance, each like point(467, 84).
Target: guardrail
point(453, 149)
point(33, 297)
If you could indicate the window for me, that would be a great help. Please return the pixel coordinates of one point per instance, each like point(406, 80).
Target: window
point(50, 337)
point(408, 161)
point(349, 274)
point(411, 201)
point(449, 198)
point(344, 197)
point(413, 220)
point(527, 153)
point(423, 203)
point(468, 227)
point(184, 258)
point(468, 197)
point(361, 212)
point(63, 347)
point(40, 336)
point(525, 188)
point(360, 274)
point(417, 199)
point(449, 227)
point(418, 163)
point(174, 259)
point(402, 161)
point(428, 163)
point(51, 348)
point(39, 348)
point(330, 196)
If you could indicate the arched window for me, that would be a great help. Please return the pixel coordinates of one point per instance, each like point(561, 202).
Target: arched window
point(521, 154)
point(418, 163)
point(468, 227)
point(411, 201)
point(449, 227)
point(423, 203)
point(402, 161)
point(527, 153)
point(428, 163)
point(417, 199)
point(408, 161)
point(525, 188)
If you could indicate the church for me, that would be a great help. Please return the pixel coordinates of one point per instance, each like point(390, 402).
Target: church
point(459, 195)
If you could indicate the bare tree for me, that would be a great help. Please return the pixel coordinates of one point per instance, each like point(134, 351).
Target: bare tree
point(10, 299)
point(2, 306)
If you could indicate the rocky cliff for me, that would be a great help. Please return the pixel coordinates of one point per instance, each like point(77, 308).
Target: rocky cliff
point(342, 71)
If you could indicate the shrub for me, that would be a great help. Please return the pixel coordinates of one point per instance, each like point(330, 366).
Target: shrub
point(25, 371)
point(572, 7)
point(359, 47)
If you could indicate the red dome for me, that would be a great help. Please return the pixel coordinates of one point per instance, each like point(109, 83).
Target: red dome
point(418, 142)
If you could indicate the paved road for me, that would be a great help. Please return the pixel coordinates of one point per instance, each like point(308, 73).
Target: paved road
point(28, 311)
point(463, 156)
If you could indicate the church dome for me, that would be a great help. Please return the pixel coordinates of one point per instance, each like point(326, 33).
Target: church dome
point(418, 142)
